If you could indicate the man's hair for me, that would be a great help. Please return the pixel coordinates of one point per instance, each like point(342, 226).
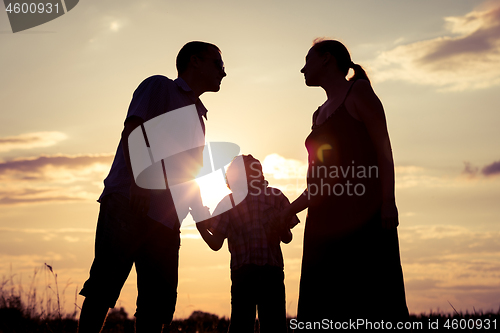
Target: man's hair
point(190, 49)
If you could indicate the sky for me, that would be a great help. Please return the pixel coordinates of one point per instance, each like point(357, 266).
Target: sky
point(65, 87)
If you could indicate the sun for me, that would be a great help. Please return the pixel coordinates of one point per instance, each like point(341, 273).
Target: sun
point(213, 189)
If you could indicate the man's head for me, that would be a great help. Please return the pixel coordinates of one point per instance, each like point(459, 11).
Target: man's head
point(200, 65)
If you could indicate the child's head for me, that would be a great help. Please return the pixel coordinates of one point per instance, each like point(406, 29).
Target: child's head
point(253, 170)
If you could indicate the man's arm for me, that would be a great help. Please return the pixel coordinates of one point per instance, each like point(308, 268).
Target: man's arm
point(139, 197)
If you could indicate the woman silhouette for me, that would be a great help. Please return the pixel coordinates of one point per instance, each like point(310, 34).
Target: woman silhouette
point(350, 266)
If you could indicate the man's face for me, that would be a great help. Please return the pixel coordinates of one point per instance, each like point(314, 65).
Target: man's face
point(212, 70)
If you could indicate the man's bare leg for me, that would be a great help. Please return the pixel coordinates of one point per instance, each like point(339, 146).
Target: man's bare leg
point(93, 316)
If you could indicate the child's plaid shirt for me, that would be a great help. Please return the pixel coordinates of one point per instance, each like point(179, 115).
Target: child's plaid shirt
point(250, 228)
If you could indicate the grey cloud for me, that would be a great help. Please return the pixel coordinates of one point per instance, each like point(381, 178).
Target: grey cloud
point(465, 58)
point(469, 169)
point(491, 169)
point(19, 177)
point(426, 245)
point(472, 288)
point(421, 284)
point(482, 41)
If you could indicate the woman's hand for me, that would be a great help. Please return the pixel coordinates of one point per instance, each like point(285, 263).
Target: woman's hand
point(285, 217)
point(390, 218)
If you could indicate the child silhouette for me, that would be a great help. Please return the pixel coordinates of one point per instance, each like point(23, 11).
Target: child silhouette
point(254, 233)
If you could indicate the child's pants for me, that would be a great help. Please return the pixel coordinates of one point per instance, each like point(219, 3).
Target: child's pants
point(262, 288)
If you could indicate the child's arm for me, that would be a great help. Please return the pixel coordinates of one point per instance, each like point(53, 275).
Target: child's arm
point(214, 240)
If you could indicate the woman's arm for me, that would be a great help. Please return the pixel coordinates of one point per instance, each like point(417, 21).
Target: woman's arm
point(370, 110)
point(214, 240)
point(298, 205)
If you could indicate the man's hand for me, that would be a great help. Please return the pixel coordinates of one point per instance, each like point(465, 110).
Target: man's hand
point(389, 214)
point(139, 199)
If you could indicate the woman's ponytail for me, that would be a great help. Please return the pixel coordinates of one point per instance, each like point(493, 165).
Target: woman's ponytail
point(359, 73)
point(342, 56)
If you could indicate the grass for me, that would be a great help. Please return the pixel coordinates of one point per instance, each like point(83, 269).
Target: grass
point(28, 311)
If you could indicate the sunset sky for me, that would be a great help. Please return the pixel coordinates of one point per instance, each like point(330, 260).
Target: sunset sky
point(65, 87)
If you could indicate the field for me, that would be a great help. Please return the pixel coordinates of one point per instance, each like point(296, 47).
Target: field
point(30, 311)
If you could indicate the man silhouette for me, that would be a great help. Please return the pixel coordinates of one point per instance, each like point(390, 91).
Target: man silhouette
point(138, 225)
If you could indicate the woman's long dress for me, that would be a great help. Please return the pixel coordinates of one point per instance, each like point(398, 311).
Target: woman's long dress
point(351, 266)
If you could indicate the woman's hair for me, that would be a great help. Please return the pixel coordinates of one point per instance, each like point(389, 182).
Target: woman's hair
point(341, 54)
point(190, 49)
point(253, 170)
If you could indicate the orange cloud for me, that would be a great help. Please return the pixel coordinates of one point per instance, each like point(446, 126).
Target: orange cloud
point(31, 140)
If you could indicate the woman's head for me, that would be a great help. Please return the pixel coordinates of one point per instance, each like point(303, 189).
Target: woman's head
point(325, 53)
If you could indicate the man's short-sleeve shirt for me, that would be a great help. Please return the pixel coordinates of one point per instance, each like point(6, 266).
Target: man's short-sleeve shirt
point(156, 95)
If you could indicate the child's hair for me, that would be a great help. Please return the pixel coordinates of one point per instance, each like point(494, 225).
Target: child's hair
point(253, 169)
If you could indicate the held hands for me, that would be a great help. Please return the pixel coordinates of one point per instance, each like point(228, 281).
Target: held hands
point(139, 199)
point(285, 217)
point(389, 214)
point(200, 214)
point(284, 221)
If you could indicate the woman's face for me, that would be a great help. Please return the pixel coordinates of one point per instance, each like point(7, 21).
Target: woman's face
point(313, 69)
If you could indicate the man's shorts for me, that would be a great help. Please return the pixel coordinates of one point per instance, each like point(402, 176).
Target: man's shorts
point(122, 239)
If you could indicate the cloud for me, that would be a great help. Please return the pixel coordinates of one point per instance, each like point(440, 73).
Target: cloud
point(439, 244)
point(31, 140)
point(444, 263)
point(57, 178)
point(16, 198)
point(289, 175)
point(492, 169)
point(469, 169)
point(279, 167)
point(414, 176)
point(70, 235)
point(37, 164)
point(47, 231)
point(467, 58)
